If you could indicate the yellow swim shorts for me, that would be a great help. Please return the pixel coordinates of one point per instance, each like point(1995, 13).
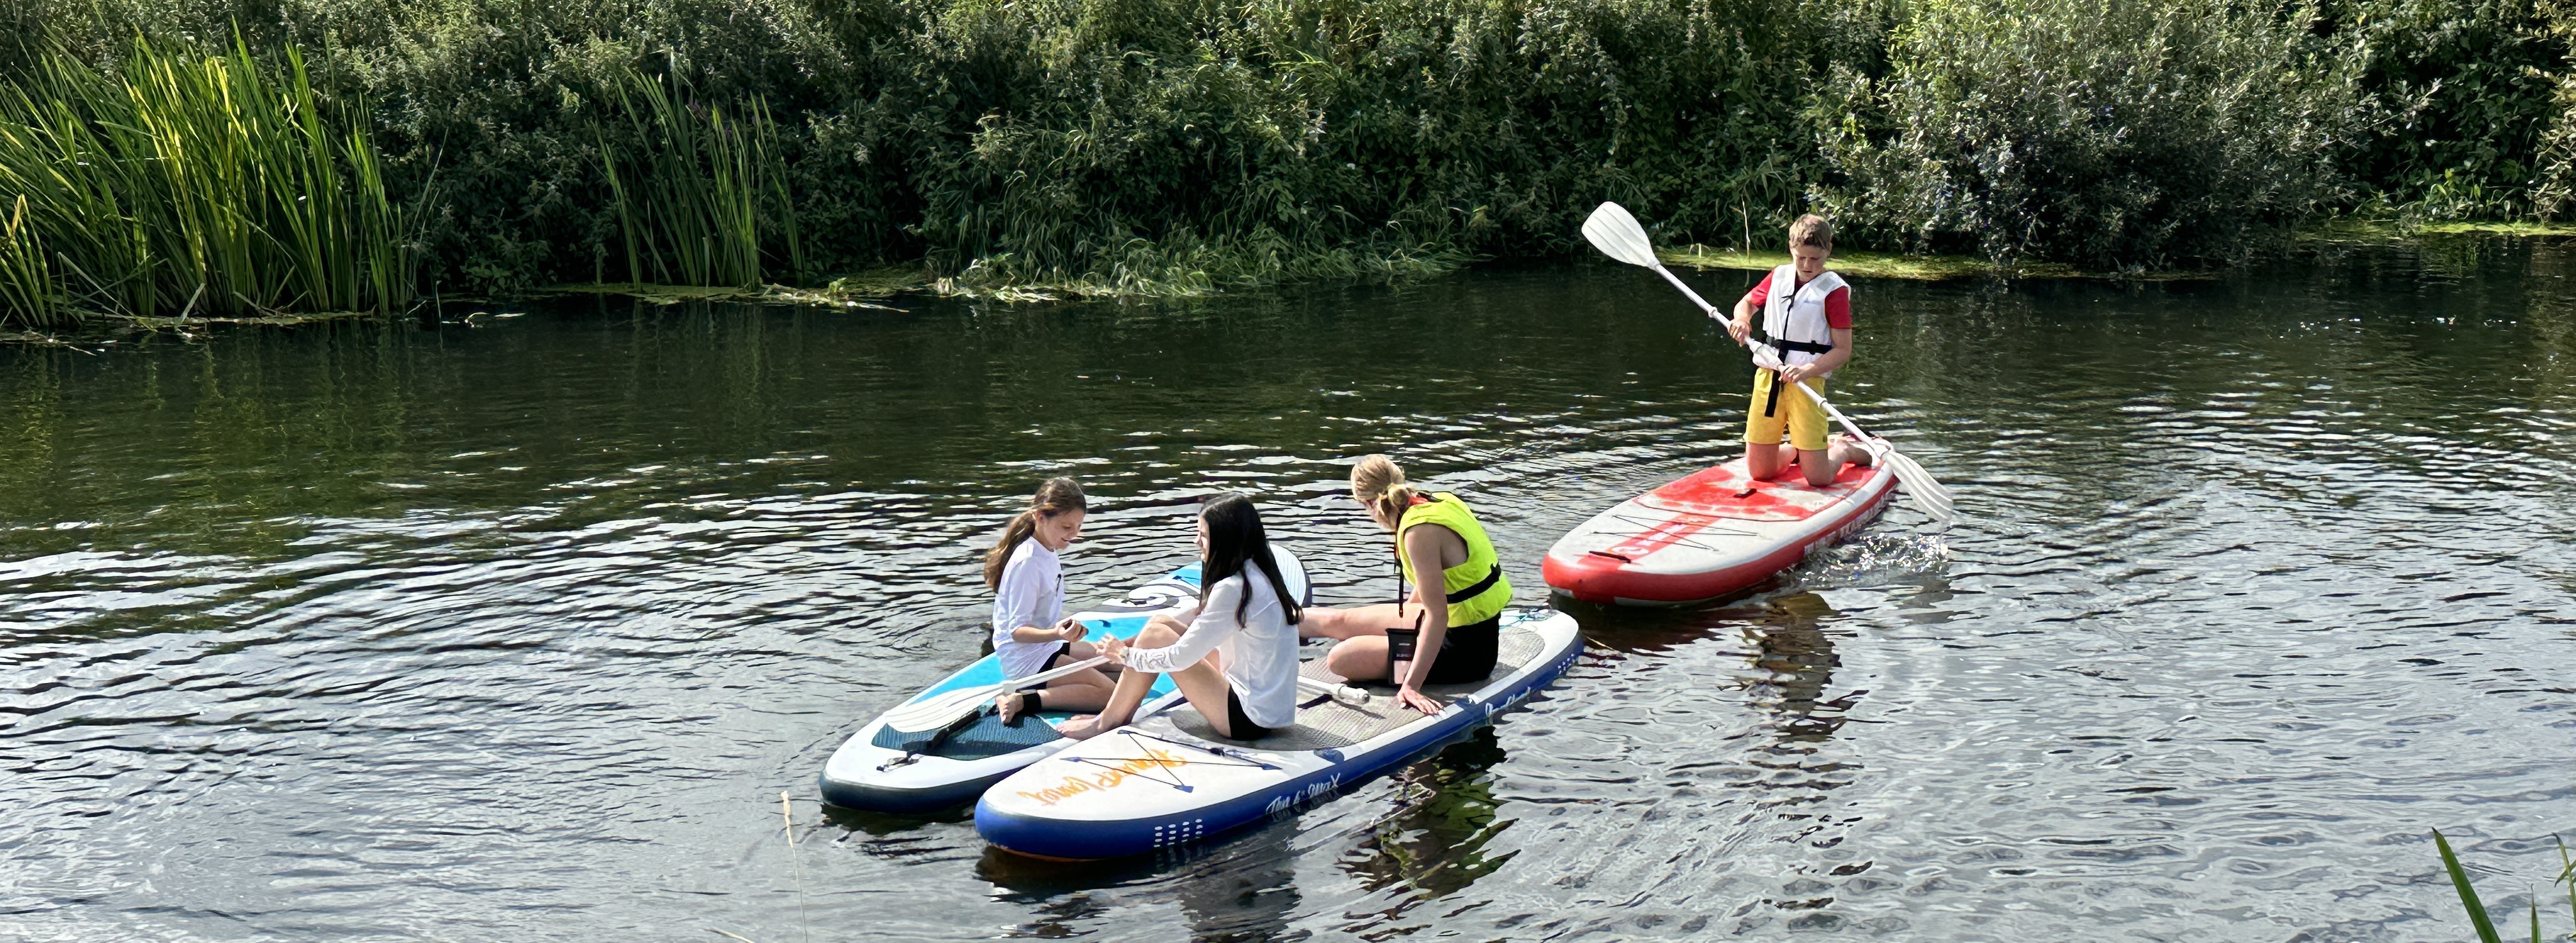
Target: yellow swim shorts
point(1803, 419)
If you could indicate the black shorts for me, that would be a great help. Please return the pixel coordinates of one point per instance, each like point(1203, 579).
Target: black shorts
point(1242, 726)
point(1467, 653)
point(1061, 650)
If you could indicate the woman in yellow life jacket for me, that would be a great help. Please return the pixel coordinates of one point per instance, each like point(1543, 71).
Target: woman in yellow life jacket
point(1460, 612)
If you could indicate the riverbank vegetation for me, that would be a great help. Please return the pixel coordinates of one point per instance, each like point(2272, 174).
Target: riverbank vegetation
point(302, 155)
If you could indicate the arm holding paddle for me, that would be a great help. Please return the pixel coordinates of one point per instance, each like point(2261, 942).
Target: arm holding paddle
point(1832, 360)
point(1067, 629)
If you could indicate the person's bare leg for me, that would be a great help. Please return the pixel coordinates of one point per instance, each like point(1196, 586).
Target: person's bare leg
point(1350, 622)
point(1080, 691)
point(1205, 686)
point(1819, 467)
point(1085, 651)
point(1129, 694)
point(1358, 659)
point(1765, 462)
point(1848, 449)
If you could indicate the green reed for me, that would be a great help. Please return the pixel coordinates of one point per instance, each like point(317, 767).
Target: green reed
point(26, 287)
point(2477, 910)
point(704, 200)
point(187, 182)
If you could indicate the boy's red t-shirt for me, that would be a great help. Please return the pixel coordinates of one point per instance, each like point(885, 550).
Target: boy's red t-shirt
point(1837, 305)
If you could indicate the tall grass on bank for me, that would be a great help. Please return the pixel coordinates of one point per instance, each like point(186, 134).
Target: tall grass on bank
point(704, 201)
point(188, 182)
point(2477, 910)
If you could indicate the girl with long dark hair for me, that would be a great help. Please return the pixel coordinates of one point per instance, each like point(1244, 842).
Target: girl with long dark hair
point(1028, 592)
point(1234, 654)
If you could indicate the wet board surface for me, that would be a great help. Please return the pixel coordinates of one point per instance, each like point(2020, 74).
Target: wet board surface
point(1725, 491)
point(1709, 533)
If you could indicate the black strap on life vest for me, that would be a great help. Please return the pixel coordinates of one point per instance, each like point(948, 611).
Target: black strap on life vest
point(1771, 404)
point(1492, 574)
point(1775, 343)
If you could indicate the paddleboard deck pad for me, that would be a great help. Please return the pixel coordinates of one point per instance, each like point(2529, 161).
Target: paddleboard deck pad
point(1709, 534)
point(881, 769)
point(1169, 780)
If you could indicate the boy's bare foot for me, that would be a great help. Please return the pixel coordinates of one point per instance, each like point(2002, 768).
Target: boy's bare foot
point(1007, 707)
point(1083, 727)
point(1853, 451)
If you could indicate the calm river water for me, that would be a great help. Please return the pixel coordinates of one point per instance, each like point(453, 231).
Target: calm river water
point(517, 631)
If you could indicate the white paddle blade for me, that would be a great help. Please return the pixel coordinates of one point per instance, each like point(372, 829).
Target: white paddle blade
point(1614, 232)
point(941, 710)
point(1916, 478)
point(1927, 494)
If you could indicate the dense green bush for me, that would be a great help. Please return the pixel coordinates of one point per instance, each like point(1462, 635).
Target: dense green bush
point(1178, 145)
point(2459, 95)
point(2104, 132)
point(2553, 191)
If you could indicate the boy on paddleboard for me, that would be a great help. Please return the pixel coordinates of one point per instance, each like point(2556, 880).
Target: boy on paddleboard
point(1804, 335)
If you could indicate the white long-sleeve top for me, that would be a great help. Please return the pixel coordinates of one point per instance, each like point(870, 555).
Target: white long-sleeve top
point(1260, 650)
point(1032, 593)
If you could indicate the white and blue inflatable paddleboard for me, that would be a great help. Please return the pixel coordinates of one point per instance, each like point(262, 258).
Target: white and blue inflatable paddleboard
point(880, 769)
point(1169, 780)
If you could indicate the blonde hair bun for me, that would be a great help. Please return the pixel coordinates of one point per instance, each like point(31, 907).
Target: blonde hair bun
point(1377, 482)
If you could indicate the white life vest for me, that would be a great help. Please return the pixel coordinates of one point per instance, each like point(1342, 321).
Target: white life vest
point(1793, 328)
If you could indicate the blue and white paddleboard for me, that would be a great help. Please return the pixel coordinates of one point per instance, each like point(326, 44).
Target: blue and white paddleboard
point(1168, 780)
point(880, 769)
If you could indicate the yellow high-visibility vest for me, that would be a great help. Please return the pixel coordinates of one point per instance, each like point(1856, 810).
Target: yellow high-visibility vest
point(1476, 589)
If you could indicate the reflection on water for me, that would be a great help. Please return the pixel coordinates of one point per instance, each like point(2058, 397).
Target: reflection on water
point(516, 631)
point(1432, 840)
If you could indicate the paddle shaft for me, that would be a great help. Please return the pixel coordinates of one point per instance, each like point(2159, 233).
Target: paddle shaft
point(1848, 425)
point(1051, 674)
point(944, 709)
point(1703, 304)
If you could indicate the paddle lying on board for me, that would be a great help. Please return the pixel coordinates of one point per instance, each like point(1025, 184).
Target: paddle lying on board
point(936, 712)
point(1617, 234)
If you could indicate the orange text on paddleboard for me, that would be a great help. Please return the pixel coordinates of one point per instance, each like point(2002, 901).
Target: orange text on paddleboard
point(1110, 778)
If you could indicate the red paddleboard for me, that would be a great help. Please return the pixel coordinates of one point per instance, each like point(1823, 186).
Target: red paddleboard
point(1710, 534)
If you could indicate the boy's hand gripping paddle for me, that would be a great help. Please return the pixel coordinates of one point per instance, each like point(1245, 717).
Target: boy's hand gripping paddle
point(1617, 234)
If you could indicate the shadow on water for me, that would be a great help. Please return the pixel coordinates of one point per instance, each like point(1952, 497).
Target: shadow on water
point(1783, 658)
point(880, 825)
point(1242, 888)
point(1433, 842)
